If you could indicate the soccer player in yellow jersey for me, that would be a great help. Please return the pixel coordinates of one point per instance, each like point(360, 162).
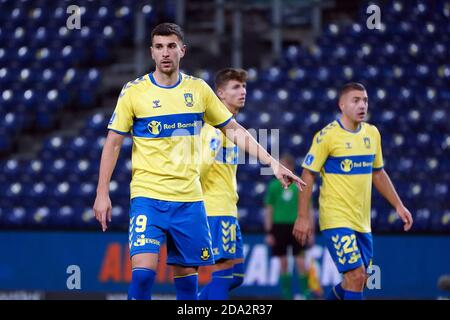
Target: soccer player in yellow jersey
point(347, 153)
point(164, 111)
point(218, 179)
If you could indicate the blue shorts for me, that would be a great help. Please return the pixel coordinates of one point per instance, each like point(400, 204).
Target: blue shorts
point(226, 237)
point(183, 223)
point(348, 248)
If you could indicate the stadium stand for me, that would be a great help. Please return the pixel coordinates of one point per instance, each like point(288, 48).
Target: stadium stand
point(46, 70)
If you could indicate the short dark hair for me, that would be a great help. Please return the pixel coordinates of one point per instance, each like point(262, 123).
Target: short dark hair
point(167, 29)
point(351, 86)
point(227, 74)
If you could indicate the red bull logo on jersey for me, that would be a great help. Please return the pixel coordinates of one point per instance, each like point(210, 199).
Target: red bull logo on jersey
point(185, 124)
point(156, 127)
point(349, 165)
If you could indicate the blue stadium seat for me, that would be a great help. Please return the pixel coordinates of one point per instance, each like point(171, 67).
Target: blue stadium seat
point(7, 99)
point(11, 169)
point(5, 143)
point(87, 191)
point(296, 144)
point(63, 191)
point(422, 220)
point(96, 124)
point(119, 217)
point(149, 13)
point(388, 220)
point(53, 147)
point(5, 73)
point(440, 221)
point(41, 190)
point(39, 217)
point(58, 167)
point(14, 217)
point(63, 217)
point(85, 218)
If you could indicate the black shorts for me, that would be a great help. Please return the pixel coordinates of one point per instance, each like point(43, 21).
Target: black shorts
point(283, 239)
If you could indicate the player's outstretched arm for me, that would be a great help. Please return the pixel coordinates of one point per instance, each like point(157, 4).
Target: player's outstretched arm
point(384, 185)
point(304, 226)
point(244, 140)
point(102, 205)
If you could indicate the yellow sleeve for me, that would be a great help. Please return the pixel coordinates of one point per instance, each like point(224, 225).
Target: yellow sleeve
point(378, 162)
point(122, 118)
point(318, 153)
point(216, 114)
point(211, 143)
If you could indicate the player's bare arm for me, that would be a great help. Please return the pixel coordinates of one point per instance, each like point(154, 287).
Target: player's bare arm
point(111, 149)
point(244, 140)
point(304, 227)
point(384, 185)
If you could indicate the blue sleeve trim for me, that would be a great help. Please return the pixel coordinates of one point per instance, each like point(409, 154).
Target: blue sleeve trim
point(119, 132)
point(224, 123)
point(378, 169)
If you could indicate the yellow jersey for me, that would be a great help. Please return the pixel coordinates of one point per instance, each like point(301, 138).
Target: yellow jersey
point(345, 160)
point(218, 173)
point(165, 123)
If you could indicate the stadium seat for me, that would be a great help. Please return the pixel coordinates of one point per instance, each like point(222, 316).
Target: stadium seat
point(63, 217)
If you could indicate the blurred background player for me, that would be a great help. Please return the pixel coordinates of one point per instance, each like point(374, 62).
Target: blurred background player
point(348, 155)
point(281, 206)
point(218, 179)
point(164, 110)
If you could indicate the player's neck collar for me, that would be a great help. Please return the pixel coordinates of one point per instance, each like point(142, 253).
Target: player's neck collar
point(153, 80)
point(351, 131)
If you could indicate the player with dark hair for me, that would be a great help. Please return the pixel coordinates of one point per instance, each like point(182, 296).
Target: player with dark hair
point(347, 153)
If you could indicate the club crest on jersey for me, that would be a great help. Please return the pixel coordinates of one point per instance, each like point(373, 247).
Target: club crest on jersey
point(367, 142)
point(205, 254)
point(154, 127)
point(189, 99)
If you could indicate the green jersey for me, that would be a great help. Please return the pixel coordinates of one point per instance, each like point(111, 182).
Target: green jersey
point(283, 201)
